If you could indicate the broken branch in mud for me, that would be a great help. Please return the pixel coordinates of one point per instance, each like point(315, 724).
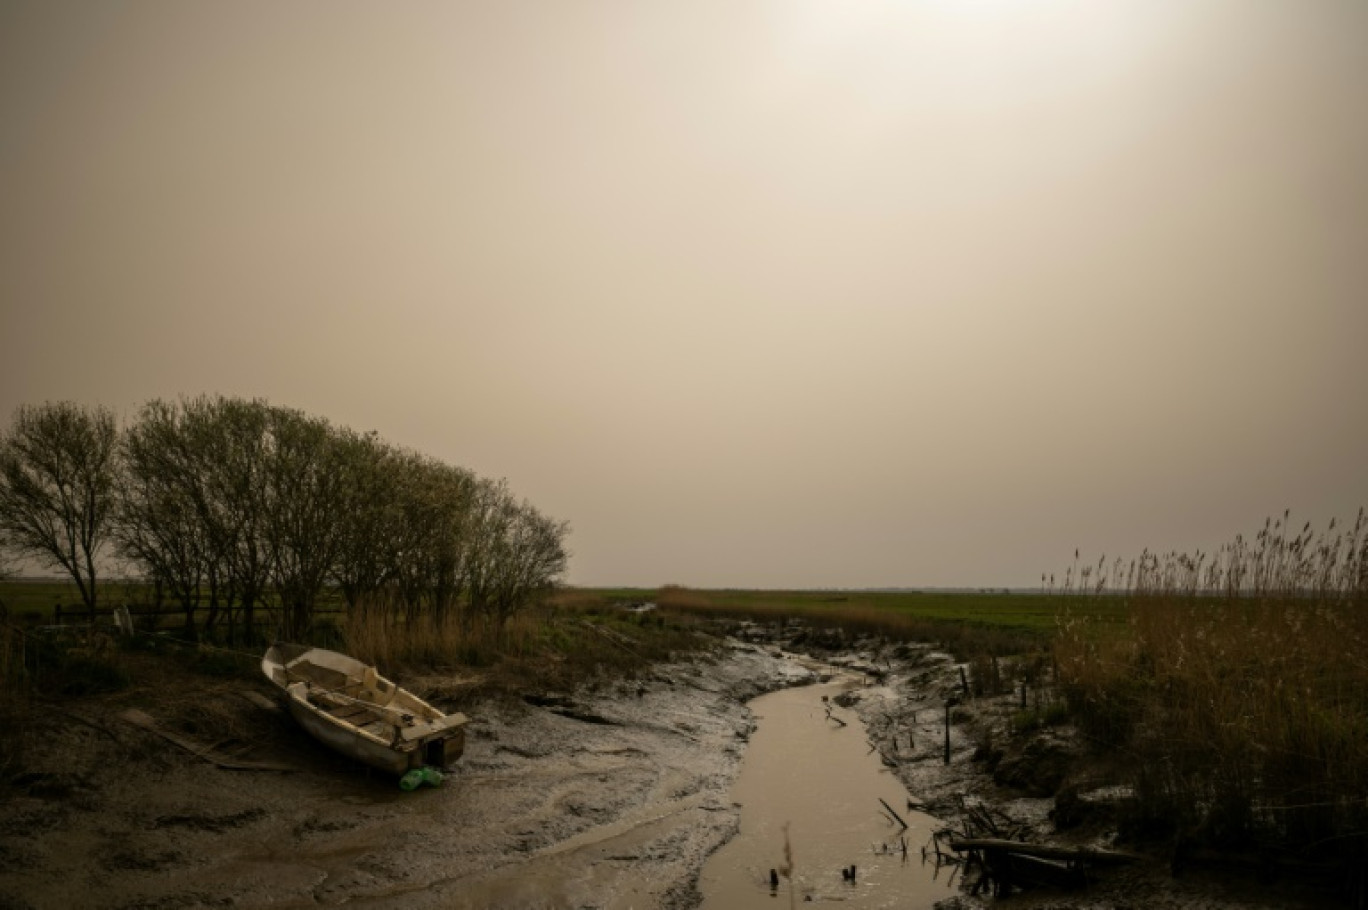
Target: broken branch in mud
point(982, 820)
point(832, 717)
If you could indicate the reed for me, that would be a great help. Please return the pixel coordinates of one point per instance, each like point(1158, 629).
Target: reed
point(14, 684)
point(567, 641)
point(1238, 687)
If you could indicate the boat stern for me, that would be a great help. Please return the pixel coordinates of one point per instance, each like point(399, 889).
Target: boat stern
point(444, 752)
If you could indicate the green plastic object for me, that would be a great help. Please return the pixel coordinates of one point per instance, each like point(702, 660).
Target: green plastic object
point(419, 776)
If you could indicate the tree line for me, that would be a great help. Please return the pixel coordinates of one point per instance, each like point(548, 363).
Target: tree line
point(230, 507)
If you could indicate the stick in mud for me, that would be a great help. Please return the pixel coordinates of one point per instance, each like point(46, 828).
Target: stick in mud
point(947, 731)
point(894, 814)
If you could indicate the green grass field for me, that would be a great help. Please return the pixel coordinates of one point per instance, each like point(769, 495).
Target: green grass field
point(34, 602)
point(31, 602)
point(1030, 613)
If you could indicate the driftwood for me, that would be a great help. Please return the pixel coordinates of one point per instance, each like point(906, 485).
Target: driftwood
point(261, 701)
point(145, 722)
point(1009, 864)
point(1045, 851)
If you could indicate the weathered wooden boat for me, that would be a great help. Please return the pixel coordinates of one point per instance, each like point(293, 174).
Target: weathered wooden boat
point(347, 705)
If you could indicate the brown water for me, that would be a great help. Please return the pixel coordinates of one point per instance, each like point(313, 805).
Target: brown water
point(816, 784)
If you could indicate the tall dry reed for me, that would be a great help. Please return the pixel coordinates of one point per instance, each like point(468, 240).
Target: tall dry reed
point(379, 630)
point(563, 643)
point(1239, 686)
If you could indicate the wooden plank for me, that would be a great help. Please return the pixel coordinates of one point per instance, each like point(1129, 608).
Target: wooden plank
point(350, 713)
point(1044, 851)
point(145, 722)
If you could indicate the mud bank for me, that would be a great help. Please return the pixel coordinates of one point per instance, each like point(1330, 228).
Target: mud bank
point(609, 799)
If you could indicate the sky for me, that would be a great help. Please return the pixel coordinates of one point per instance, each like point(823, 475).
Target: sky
point(753, 293)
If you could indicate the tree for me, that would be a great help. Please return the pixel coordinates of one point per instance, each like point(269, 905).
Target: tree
point(516, 554)
point(532, 558)
point(58, 482)
point(435, 503)
point(302, 492)
point(158, 524)
point(233, 436)
point(369, 539)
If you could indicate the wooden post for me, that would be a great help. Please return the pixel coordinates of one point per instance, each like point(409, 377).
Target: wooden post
point(947, 731)
point(964, 681)
point(1023, 695)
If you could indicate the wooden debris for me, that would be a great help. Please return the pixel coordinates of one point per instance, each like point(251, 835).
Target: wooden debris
point(1009, 864)
point(1045, 851)
point(145, 722)
point(261, 701)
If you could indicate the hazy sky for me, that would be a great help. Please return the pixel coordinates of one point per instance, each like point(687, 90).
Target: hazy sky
point(785, 293)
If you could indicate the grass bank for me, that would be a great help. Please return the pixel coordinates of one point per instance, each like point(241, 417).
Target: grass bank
point(573, 638)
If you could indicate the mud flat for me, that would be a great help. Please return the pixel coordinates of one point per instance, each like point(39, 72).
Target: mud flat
point(613, 798)
point(610, 799)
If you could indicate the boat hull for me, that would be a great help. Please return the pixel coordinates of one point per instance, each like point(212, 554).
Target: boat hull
point(346, 705)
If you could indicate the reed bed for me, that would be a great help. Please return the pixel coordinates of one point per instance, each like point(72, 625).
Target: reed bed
point(13, 687)
point(1238, 687)
point(13, 671)
point(572, 639)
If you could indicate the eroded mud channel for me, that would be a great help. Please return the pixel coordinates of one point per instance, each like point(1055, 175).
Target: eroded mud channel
point(822, 820)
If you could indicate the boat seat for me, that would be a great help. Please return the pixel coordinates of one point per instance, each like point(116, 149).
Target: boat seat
point(351, 713)
point(441, 725)
point(370, 684)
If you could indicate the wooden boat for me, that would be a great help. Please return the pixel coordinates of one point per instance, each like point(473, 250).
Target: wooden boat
point(345, 704)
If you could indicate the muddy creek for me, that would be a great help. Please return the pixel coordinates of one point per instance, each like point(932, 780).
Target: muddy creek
point(809, 781)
